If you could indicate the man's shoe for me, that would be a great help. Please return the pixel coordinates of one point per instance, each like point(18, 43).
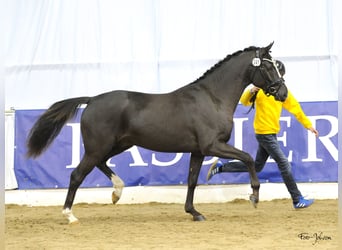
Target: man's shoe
point(215, 168)
point(303, 203)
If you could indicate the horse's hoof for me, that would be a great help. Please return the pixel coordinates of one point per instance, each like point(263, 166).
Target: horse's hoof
point(199, 218)
point(74, 223)
point(115, 198)
point(254, 200)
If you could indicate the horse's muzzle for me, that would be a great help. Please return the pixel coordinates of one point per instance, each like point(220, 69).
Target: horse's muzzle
point(281, 94)
point(278, 89)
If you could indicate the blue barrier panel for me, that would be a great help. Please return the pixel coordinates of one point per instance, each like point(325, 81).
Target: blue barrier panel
point(312, 159)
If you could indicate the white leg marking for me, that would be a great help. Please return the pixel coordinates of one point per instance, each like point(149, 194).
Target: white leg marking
point(118, 185)
point(68, 213)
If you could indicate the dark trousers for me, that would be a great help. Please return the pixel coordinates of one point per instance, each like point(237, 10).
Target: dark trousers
point(269, 146)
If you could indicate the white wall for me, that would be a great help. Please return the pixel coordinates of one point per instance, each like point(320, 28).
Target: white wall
point(169, 194)
point(10, 179)
point(66, 48)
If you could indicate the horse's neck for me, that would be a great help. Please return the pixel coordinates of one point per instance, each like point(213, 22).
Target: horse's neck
point(231, 97)
point(226, 85)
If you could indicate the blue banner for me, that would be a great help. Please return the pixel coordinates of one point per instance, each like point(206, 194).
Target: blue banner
point(312, 159)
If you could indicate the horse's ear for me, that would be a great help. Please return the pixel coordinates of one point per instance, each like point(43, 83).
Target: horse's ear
point(269, 46)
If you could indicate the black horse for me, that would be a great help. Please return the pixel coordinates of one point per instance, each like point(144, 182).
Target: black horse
point(196, 118)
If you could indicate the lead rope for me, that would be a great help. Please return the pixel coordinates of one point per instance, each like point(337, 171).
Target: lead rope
point(252, 100)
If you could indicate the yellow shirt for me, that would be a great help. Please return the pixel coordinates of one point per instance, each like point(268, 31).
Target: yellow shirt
point(268, 111)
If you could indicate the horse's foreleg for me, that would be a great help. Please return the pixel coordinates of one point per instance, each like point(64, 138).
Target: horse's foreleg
point(255, 184)
point(223, 150)
point(76, 178)
point(118, 183)
point(194, 170)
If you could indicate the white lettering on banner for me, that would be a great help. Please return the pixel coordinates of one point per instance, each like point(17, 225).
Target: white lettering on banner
point(137, 159)
point(238, 132)
point(209, 161)
point(166, 163)
point(238, 143)
point(238, 136)
point(109, 164)
point(283, 138)
point(75, 144)
point(326, 141)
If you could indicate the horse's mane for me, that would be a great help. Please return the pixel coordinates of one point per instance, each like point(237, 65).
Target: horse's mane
point(218, 64)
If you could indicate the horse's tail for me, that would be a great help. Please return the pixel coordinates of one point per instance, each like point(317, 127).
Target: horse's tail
point(50, 123)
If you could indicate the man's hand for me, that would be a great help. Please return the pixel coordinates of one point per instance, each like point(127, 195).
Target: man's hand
point(254, 90)
point(313, 130)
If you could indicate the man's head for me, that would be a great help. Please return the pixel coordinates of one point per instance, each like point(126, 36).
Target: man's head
point(281, 67)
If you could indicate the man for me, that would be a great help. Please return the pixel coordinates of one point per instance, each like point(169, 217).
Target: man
point(266, 127)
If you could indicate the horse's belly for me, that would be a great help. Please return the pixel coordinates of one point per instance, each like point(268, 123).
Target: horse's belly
point(174, 141)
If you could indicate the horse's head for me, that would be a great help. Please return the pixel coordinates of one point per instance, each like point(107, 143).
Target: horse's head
point(267, 74)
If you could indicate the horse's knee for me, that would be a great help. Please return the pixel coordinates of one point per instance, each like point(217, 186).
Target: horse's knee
point(249, 160)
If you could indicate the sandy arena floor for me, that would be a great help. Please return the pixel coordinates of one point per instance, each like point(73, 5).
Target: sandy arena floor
point(233, 225)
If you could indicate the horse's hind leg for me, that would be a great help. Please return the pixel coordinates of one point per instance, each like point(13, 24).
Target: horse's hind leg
point(194, 170)
point(118, 183)
point(76, 178)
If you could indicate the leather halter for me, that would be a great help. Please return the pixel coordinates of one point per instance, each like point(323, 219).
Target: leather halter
point(273, 87)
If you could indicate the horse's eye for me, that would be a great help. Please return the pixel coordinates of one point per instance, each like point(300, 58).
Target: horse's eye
point(272, 90)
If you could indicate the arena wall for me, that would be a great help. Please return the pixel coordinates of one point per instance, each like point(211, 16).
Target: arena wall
point(169, 194)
